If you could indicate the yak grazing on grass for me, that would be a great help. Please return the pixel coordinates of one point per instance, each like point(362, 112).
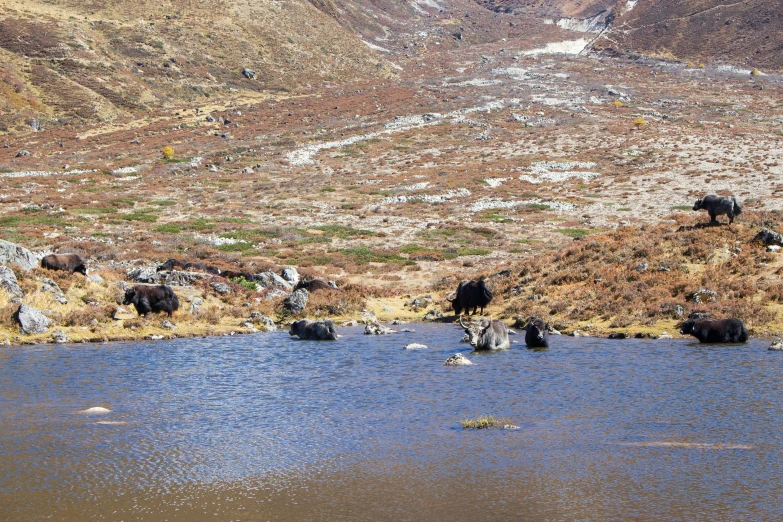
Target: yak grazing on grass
point(719, 205)
point(716, 330)
point(199, 266)
point(537, 334)
point(314, 330)
point(153, 299)
point(314, 284)
point(471, 294)
point(69, 262)
point(492, 335)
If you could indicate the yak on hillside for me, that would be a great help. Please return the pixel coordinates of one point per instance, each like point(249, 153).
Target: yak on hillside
point(718, 206)
point(153, 299)
point(471, 294)
point(68, 262)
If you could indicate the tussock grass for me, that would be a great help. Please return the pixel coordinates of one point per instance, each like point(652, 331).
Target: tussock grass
point(483, 422)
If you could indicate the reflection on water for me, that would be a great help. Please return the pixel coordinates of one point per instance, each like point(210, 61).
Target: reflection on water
point(265, 427)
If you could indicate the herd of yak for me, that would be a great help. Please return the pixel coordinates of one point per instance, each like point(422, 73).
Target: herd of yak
point(470, 296)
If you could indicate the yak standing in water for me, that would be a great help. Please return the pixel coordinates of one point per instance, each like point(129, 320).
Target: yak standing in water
point(537, 335)
point(492, 335)
point(471, 294)
point(314, 330)
point(716, 330)
point(153, 299)
point(718, 206)
point(68, 262)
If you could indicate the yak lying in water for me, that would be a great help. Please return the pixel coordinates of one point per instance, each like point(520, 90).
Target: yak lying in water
point(471, 294)
point(68, 262)
point(314, 330)
point(537, 334)
point(153, 299)
point(718, 206)
point(492, 335)
point(716, 330)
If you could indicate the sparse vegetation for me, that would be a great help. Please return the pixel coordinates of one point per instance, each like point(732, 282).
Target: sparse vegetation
point(483, 422)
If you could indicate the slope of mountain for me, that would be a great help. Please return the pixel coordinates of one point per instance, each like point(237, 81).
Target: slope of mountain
point(76, 61)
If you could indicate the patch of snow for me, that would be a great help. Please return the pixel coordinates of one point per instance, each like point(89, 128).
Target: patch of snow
point(375, 47)
point(567, 47)
point(630, 5)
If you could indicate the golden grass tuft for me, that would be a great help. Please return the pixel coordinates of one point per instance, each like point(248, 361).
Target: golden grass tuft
point(483, 422)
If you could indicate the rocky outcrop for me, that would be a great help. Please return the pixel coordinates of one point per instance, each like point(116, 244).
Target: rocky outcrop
point(13, 254)
point(457, 360)
point(769, 237)
point(31, 320)
point(59, 337)
point(291, 275)
point(221, 288)
point(297, 301)
point(375, 328)
point(271, 279)
point(777, 345)
point(9, 283)
point(268, 324)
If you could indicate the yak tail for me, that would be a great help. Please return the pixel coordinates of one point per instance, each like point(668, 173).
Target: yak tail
point(737, 207)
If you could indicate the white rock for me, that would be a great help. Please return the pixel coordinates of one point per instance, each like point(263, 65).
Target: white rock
point(777, 345)
point(415, 346)
point(95, 410)
point(457, 360)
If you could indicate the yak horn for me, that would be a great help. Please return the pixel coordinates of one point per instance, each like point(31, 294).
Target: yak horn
point(461, 323)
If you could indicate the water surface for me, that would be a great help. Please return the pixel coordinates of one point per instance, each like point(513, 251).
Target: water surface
point(263, 427)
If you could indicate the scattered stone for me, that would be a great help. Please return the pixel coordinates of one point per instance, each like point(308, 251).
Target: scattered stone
point(399, 321)
point(59, 337)
point(433, 315)
point(703, 295)
point(89, 301)
point(13, 254)
point(769, 237)
point(248, 170)
point(9, 283)
point(156, 337)
point(168, 324)
point(375, 328)
point(579, 333)
point(22, 153)
point(510, 427)
point(220, 288)
point(31, 320)
point(352, 322)
point(210, 118)
point(119, 312)
point(618, 335)
point(269, 324)
point(297, 301)
point(457, 360)
point(95, 278)
point(250, 74)
point(415, 346)
point(95, 410)
point(144, 275)
point(195, 304)
point(272, 279)
point(643, 267)
point(250, 327)
point(387, 309)
point(777, 345)
point(291, 275)
point(773, 248)
point(665, 335)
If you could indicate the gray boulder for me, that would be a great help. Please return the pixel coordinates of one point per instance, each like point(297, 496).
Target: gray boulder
point(95, 278)
point(31, 320)
point(59, 337)
point(769, 237)
point(433, 315)
point(144, 275)
point(259, 318)
point(297, 301)
point(220, 288)
point(195, 304)
point(250, 74)
point(375, 328)
point(13, 254)
point(272, 279)
point(291, 275)
point(9, 283)
point(457, 360)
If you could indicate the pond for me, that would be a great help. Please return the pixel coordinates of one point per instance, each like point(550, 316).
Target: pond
point(265, 427)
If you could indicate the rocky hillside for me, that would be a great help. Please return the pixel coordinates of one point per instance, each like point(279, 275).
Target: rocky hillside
point(746, 33)
point(64, 61)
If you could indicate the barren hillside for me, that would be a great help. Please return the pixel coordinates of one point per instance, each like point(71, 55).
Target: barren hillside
point(64, 61)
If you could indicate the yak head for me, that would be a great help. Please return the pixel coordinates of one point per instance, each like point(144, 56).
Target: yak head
point(476, 331)
point(687, 327)
point(697, 205)
point(130, 296)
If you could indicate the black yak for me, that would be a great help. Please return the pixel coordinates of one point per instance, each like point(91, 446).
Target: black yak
point(314, 330)
point(153, 299)
point(170, 265)
point(492, 335)
point(314, 284)
point(69, 262)
point(233, 274)
point(719, 205)
point(471, 294)
point(537, 334)
point(716, 330)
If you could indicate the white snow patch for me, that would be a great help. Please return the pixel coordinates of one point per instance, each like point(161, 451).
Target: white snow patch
point(630, 5)
point(567, 47)
point(375, 47)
